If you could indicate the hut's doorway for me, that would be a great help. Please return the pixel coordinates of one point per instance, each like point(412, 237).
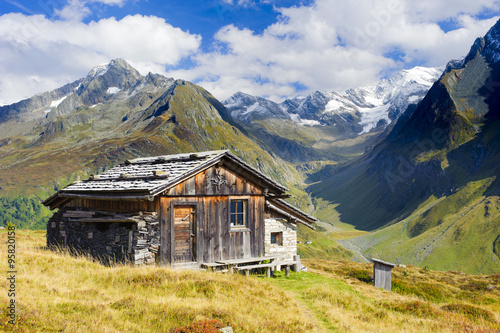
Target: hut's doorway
point(184, 233)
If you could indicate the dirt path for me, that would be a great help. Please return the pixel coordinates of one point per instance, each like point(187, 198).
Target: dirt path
point(309, 314)
point(353, 247)
point(329, 227)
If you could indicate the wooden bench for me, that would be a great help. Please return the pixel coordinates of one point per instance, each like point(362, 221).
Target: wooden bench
point(269, 268)
point(244, 260)
point(215, 267)
point(287, 265)
point(236, 263)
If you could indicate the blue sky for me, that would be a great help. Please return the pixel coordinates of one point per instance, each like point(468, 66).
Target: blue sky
point(271, 48)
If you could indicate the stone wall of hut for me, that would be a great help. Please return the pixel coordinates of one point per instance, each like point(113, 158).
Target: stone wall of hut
point(109, 237)
point(280, 238)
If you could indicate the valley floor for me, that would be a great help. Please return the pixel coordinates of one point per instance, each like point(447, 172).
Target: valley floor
point(59, 292)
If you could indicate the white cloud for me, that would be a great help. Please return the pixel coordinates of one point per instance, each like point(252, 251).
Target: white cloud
point(111, 2)
point(329, 45)
point(39, 54)
point(338, 44)
point(76, 10)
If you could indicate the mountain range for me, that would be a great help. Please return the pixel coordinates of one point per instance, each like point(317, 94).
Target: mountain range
point(430, 189)
point(111, 115)
point(361, 109)
point(411, 159)
point(332, 125)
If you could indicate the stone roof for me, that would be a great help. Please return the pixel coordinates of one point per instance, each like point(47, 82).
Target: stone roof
point(143, 178)
point(144, 174)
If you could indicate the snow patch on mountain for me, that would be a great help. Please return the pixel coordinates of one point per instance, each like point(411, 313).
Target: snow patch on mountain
point(99, 70)
point(366, 108)
point(305, 122)
point(371, 117)
point(112, 90)
point(247, 108)
point(56, 103)
point(375, 103)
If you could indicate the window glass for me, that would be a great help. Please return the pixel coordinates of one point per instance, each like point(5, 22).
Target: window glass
point(238, 213)
point(277, 238)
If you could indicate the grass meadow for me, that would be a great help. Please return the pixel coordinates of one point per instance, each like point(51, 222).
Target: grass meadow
point(57, 292)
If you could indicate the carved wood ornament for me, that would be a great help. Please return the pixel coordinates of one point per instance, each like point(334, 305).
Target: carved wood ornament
point(219, 180)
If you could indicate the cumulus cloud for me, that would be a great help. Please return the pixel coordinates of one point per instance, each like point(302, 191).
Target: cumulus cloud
point(45, 54)
point(76, 10)
point(338, 44)
point(325, 45)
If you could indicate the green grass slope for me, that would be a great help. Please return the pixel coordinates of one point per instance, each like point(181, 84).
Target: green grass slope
point(56, 292)
point(88, 140)
point(443, 234)
point(429, 190)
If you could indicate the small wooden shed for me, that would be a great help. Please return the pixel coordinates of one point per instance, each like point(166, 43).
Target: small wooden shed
point(183, 209)
point(382, 274)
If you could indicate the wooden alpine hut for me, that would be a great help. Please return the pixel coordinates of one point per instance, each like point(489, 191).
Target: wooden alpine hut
point(177, 210)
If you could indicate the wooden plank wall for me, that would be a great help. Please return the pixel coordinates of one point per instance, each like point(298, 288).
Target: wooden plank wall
point(204, 183)
point(116, 206)
point(382, 275)
point(211, 192)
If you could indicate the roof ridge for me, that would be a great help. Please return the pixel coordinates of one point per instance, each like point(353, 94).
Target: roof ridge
point(174, 157)
point(151, 176)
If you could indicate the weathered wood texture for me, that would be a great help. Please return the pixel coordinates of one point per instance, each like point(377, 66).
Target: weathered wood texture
point(215, 239)
point(209, 193)
point(118, 206)
point(215, 181)
point(382, 273)
point(183, 229)
point(206, 235)
point(191, 195)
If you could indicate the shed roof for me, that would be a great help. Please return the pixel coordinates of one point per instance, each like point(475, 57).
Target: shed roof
point(284, 208)
point(385, 263)
point(144, 178)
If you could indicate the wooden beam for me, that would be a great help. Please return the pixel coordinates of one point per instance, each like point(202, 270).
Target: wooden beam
point(146, 197)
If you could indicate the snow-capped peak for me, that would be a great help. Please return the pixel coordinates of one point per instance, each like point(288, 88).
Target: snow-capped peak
point(99, 70)
point(247, 108)
point(364, 108)
point(386, 100)
point(113, 90)
point(492, 44)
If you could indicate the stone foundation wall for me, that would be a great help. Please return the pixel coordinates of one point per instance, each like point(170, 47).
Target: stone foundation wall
point(287, 245)
point(135, 240)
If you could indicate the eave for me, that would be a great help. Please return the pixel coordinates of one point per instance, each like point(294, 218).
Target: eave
point(291, 212)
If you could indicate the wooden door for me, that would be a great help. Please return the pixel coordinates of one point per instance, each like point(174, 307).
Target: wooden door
point(184, 234)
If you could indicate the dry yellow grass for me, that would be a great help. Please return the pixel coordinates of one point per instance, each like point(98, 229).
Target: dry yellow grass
point(57, 292)
point(421, 301)
point(60, 293)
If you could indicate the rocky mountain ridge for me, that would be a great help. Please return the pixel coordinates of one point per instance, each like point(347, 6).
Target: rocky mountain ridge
point(111, 115)
point(329, 127)
point(431, 187)
point(363, 109)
